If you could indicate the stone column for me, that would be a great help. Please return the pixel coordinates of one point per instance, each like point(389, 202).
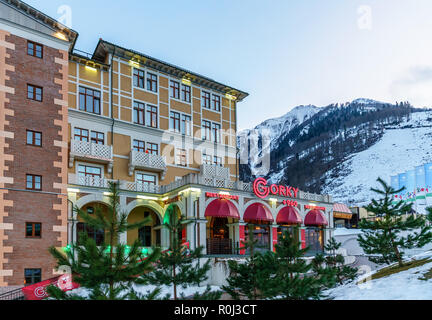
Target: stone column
point(239, 233)
point(122, 208)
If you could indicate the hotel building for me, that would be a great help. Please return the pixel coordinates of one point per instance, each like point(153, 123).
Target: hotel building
point(71, 122)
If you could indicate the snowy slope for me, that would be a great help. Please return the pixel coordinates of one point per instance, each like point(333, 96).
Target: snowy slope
point(405, 285)
point(400, 149)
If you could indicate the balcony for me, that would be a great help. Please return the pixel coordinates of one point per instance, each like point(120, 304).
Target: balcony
point(81, 150)
point(147, 161)
point(88, 181)
point(213, 171)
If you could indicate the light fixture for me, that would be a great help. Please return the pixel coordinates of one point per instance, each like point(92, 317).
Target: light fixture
point(147, 198)
point(273, 199)
point(134, 64)
point(107, 194)
point(165, 199)
point(60, 36)
point(230, 97)
point(186, 81)
point(224, 193)
point(73, 190)
point(190, 189)
point(90, 68)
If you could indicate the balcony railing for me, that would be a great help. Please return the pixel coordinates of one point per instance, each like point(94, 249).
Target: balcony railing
point(213, 171)
point(88, 181)
point(221, 247)
point(91, 151)
point(189, 179)
point(147, 161)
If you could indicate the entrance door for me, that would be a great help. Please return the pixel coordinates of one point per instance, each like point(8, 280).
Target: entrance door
point(219, 241)
point(314, 240)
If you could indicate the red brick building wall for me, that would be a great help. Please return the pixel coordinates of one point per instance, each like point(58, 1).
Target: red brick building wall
point(48, 206)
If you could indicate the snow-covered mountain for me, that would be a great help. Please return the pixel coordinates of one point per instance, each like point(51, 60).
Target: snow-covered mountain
point(341, 149)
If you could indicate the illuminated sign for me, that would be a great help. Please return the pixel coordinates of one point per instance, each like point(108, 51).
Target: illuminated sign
point(262, 190)
point(221, 196)
point(290, 203)
point(314, 207)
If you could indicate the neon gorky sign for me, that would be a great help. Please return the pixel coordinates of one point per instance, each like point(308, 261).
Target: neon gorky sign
point(262, 190)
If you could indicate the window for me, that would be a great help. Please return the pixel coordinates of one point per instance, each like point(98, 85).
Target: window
point(145, 179)
point(90, 176)
point(89, 100)
point(33, 230)
point(138, 78)
point(138, 114)
point(175, 89)
point(34, 138)
point(206, 100)
point(216, 132)
point(34, 182)
point(216, 103)
point(81, 134)
point(151, 82)
point(206, 130)
point(97, 235)
point(34, 49)
point(181, 157)
point(153, 148)
point(139, 145)
point(151, 117)
point(207, 159)
point(34, 92)
point(217, 161)
point(186, 93)
point(32, 276)
point(97, 137)
point(175, 121)
point(186, 125)
point(144, 235)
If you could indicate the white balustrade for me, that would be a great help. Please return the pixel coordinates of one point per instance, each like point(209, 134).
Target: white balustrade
point(147, 161)
point(91, 151)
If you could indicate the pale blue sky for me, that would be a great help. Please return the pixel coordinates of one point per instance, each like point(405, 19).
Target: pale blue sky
point(282, 52)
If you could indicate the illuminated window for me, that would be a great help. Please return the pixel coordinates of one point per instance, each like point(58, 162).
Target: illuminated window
point(151, 117)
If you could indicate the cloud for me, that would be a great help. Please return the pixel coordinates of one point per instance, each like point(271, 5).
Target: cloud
point(415, 86)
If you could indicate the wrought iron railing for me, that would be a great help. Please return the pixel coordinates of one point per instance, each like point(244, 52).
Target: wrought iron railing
point(15, 294)
point(221, 247)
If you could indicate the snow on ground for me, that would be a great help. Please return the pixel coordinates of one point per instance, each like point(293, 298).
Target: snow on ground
point(399, 150)
point(345, 232)
point(405, 285)
point(188, 292)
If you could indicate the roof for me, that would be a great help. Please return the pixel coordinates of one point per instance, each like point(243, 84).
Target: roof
point(104, 47)
point(342, 208)
point(43, 19)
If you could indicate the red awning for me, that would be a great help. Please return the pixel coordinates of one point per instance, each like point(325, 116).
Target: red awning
point(222, 208)
point(315, 218)
point(258, 211)
point(288, 215)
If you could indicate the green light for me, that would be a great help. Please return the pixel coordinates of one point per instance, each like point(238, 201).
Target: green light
point(145, 251)
point(108, 249)
point(127, 249)
point(67, 248)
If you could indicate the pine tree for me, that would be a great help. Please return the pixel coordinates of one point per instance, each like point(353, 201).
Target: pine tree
point(109, 270)
point(295, 279)
point(251, 278)
point(383, 237)
point(179, 266)
point(332, 265)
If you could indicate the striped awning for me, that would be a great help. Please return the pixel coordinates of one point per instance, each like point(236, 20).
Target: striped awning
point(341, 211)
